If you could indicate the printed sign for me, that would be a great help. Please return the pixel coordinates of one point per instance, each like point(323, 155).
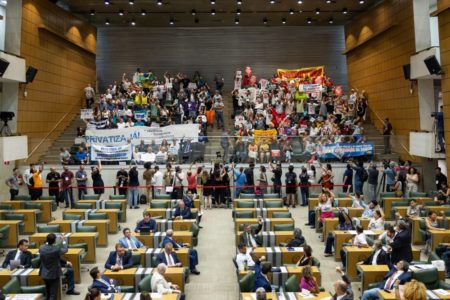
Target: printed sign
point(116, 153)
point(343, 150)
point(87, 113)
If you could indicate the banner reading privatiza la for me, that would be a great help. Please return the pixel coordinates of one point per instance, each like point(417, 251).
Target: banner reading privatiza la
point(303, 73)
point(115, 137)
point(116, 153)
point(344, 150)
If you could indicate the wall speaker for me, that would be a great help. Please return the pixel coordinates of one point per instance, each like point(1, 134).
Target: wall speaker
point(31, 73)
point(3, 66)
point(433, 65)
point(407, 71)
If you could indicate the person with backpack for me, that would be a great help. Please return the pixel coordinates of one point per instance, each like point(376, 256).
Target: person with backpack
point(361, 176)
point(291, 186)
point(304, 186)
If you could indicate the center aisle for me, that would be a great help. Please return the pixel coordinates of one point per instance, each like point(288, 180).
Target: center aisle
point(215, 250)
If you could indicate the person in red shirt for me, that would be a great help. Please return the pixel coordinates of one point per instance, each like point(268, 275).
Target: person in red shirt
point(66, 187)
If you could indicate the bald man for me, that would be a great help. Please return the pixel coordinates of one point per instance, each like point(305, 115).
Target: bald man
point(193, 255)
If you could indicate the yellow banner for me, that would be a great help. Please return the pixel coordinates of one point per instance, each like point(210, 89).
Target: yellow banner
point(264, 136)
point(302, 74)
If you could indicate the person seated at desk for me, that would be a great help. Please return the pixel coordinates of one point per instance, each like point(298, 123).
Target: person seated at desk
point(443, 251)
point(168, 257)
point(244, 260)
point(193, 255)
point(249, 236)
point(188, 199)
point(130, 242)
point(308, 281)
point(378, 256)
point(298, 239)
point(398, 272)
point(413, 211)
point(182, 212)
point(357, 200)
point(101, 282)
point(21, 254)
point(119, 259)
point(376, 222)
point(342, 288)
point(370, 209)
point(93, 294)
point(345, 223)
point(432, 223)
point(359, 240)
point(147, 223)
point(160, 285)
point(261, 271)
point(307, 259)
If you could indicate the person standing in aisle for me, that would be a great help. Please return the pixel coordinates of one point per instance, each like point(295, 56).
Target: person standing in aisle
point(133, 190)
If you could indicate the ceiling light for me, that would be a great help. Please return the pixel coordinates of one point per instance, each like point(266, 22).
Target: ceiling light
point(283, 21)
point(300, 2)
point(171, 21)
point(265, 20)
point(193, 12)
point(331, 21)
point(236, 21)
point(92, 12)
point(131, 2)
point(361, 1)
point(344, 11)
point(143, 12)
point(238, 12)
point(291, 11)
point(317, 11)
point(159, 2)
point(213, 2)
point(309, 21)
point(328, 1)
point(272, 1)
point(239, 2)
point(107, 22)
point(133, 22)
point(213, 12)
point(121, 12)
point(106, 2)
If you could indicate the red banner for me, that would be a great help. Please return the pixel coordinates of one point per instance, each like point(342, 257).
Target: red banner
point(303, 74)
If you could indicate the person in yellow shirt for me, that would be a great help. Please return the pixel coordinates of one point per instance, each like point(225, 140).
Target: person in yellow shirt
point(36, 190)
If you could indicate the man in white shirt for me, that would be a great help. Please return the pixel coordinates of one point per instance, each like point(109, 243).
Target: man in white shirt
point(160, 285)
point(149, 156)
point(376, 222)
point(90, 94)
point(121, 124)
point(359, 240)
point(157, 181)
point(378, 256)
point(244, 259)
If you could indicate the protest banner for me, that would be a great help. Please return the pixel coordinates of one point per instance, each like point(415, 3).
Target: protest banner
point(264, 135)
point(302, 74)
point(142, 115)
point(115, 153)
point(345, 150)
point(87, 113)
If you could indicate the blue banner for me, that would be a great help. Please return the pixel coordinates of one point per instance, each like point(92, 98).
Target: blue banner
point(344, 150)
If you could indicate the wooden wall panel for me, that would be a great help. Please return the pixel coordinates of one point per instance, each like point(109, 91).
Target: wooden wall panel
point(375, 65)
point(224, 50)
point(64, 70)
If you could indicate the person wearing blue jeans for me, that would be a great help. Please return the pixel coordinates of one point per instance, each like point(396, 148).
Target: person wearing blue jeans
point(133, 190)
point(239, 179)
point(304, 186)
point(359, 170)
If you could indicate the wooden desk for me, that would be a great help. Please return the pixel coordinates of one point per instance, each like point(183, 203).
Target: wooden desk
point(257, 203)
point(342, 202)
point(279, 278)
point(441, 274)
point(353, 256)
point(90, 238)
point(176, 225)
point(101, 204)
point(30, 221)
point(128, 276)
point(371, 274)
point(272, 238)
point(438, 237)
point(298, 296)
point(263, 212)
point(113, 216)
point(173, 203)
point(31, 278)
point(165, 213)
point(147, 255)
point(391, 296)
point(440, 295)
point(101, 225)
point(118, 296)
point(13, 233)
point(154, 239)
point(402, 209)
point(46, 212)
point(416, 239)
point(280, 256)
point(341, 237)
point(74, 256)
point(268, 224)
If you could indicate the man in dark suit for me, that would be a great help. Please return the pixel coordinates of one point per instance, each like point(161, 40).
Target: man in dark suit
point(182, 212)
point(397, 272)
point(261, 271)
point(102, 283)
point(248, 237)
point(168, 257)
point(20, 254)
point(193, 255)
point(401, 245)
point(119, 259)
point(378, 256)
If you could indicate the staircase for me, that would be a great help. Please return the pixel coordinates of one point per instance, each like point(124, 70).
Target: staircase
point(372, 134)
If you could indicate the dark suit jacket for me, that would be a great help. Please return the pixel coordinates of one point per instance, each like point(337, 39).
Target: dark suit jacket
point(185, 213)
point(161, 258)
point(127, 262)
point(401, 247)
point(349, 294)
point(51, 260)
point(405, 277)
point(103, 287)
point(243, 236)
point(260, 280)
point(25, 258)
point(169, 240)
point(382, 259)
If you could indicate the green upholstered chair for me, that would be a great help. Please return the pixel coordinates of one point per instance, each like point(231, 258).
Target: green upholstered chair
point(83, 246)
point(430, 278)
point(281, 215)
point(316, 262)
point(5, 206)
point(14, 287)
point(395, 204)
point(387, 195)
point(342, 195)
point(273, 204)
point(22, 198)
point(245, 204)
point(253, 226)
point(145, 284)
point(91, 197)
point(97, 216)
point(244, 214)
point(195, 231)
point(160, 204)
point(38, 206)
point(79, 205)
point(86, 228)
point(48, 228)
point(163, 197)
point(115, 205)
point(283, 227)
point(291, 284)
point(247, 196)
point(270, 196)
point(422, 230)
point(17, 217)
point(136, 258)
point(247, 282)
point(4, 235)
point(127, 289)
point(369, 240)
point(53, 198)
point(314, 195)
point(417, 195)
point(71, 217)
point(117, 197)
point(36, 262)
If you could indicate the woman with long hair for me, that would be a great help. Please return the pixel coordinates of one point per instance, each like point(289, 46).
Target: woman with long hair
point(412, 181)
point(327, 177)
point(413, 290)
point(207, 191)
point(308, 281)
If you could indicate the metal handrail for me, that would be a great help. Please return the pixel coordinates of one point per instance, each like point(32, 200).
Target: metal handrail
point(77, 105)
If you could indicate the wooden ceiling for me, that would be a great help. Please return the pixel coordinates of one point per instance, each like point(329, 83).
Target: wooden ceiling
point(186, 13)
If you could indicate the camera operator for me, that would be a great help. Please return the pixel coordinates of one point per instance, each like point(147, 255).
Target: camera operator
point(439, 123)
point(442, 194)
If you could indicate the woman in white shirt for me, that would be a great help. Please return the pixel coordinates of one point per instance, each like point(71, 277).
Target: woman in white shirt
point(376, 222)
point(357, 200)
point(412, 181)
point(325, 205)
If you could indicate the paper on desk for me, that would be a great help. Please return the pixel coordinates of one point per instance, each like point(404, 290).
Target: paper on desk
point(369, 232)
point(156, 296)
point(326, 298)
point(298, 249)
point(422, 267)
point(442, 292)
point(25, 297)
